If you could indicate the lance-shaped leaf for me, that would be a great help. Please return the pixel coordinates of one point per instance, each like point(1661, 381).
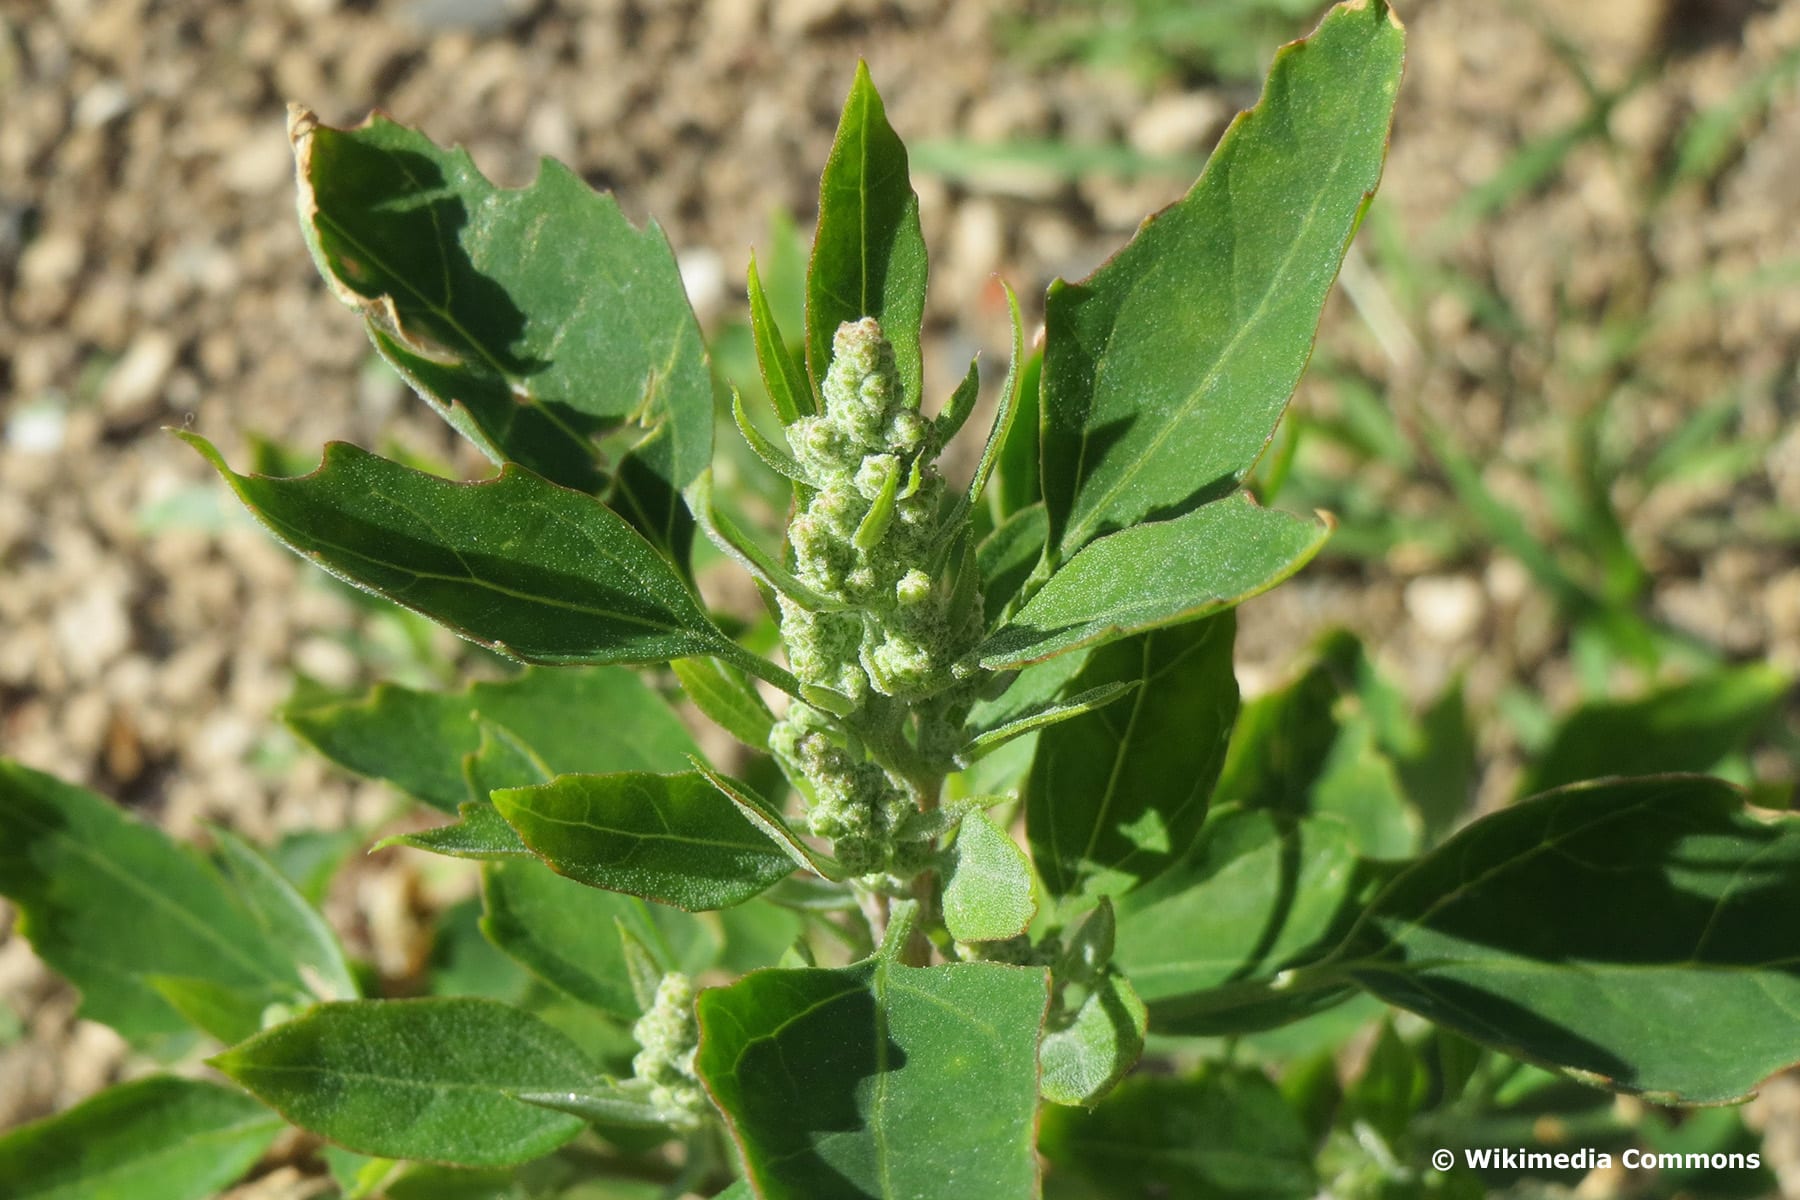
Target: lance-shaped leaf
point(1118, 794)
point(1202, 943)
point(537, 572)
point(868, 257)
point(450, 749)
point(724, 695)
point(989, 740)
point(113, 903)
point(782, 377)
point(1228, 1134)
point(988, 896)
point(530, 318)
point(1166, 370)
point(434, 1080)
point(1601, 929)
point(154, 1139)
point(673, 838)
point(768, 817)
point(291, 926)
point(879, 1080)
point(1160, 574)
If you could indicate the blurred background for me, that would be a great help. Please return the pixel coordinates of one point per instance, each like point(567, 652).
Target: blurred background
point(1553, 403)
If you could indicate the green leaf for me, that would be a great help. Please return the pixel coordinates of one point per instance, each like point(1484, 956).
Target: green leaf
point(879, 1080)
point(627, 1105)
point(111, 902)
point(1007, 557)
point(221, 1011)
point(1166, 370)
point(774, 457)
point(1118, 794)
point(450, 748)
point(537, 572)
point(580, 938)
point(673, 838)
point(1086, 1052)
point(1226, 1134)
point(1689, 727)
point(1256, 895)
point(989, 895)
point(782, 377)
point(769, 819)
point(868, 257)
point(1018, 464)
point(155, 1139)
point(1593, 927)
point(724, 695)
point(288, 922)
point(1153, 575)
point(481, 833)
point(433, 1080)
point(1094, 698)
point(529, 318)
point(1311, 748)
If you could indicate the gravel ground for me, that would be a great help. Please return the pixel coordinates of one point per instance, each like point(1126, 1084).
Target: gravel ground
point(151, 274)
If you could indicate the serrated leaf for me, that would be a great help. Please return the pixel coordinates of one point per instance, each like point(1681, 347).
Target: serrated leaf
point(1154, 575)
point(433, 1080)
point(879, 1080)
point(421, 742)
point(1226, 1134)
point(1593, 927)
point(569, 935)
point(989, 895)
point(534, 571)
point(729, 699)
point(868, 257)
point(289, 923)
point(529, 318)
point(1166, 370)
point(1118, 794)
point(1688, 727)
point(1087, 1052)
point(1255, 895)
point(111, 902)
point(154, 1139)
point(672, 838)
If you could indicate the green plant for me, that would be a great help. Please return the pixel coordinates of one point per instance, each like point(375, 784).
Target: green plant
point(1051, 640)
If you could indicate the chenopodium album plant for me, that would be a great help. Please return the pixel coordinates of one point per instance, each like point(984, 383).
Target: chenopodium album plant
point(926, 1010)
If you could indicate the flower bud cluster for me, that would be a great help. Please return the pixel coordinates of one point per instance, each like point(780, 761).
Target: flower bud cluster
point(867, 538)
point(669, 1034)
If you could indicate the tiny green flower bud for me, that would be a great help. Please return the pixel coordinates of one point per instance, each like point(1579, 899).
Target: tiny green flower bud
point(913, 589)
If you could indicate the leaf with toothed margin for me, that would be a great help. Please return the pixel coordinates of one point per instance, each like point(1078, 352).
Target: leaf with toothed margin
point(868, 257)
point(1154, 575)
point(537, 572)
point(673, 838)
point(879, 1080)
point(530, 318)
point(1166, 370)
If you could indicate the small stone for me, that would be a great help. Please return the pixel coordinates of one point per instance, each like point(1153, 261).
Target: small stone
point(1448, 608)
point(136, 382)
point(94, 628)
point(1174, 125)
